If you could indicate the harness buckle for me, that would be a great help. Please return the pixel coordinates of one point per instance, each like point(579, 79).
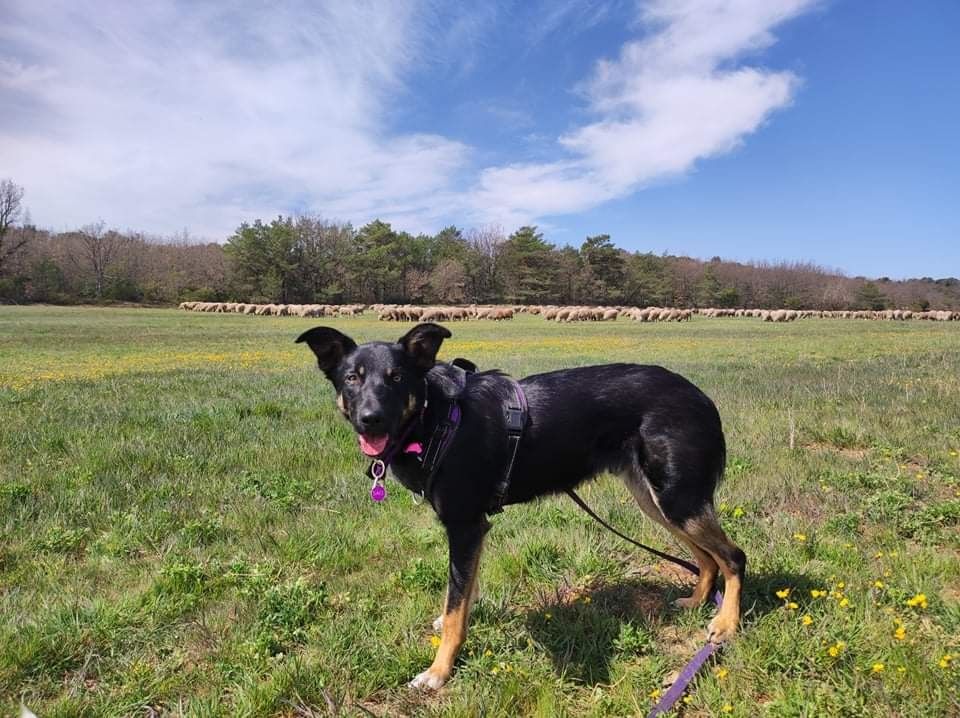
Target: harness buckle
point(515, 420)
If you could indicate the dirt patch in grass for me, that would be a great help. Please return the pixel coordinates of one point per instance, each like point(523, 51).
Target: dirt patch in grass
point(854, 453)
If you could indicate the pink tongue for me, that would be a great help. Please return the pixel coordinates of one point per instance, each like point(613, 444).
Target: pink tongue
point(371, 446)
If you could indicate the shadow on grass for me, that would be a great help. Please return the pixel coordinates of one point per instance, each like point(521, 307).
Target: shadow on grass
point(584, 629)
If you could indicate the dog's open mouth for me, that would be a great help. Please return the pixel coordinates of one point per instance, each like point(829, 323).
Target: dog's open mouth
point(373, 445)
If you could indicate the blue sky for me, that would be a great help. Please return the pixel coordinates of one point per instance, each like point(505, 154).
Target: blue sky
point(806, 130)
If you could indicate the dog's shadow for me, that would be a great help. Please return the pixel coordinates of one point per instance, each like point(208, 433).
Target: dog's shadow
point(584, 630)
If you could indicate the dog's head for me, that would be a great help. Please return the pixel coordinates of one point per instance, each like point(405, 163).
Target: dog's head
point(380, 386)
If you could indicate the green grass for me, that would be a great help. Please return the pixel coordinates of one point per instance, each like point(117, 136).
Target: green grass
point(186, 527)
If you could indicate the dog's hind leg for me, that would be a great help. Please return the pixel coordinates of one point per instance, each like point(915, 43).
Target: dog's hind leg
point(712, 550)
point(704, 529)
point(640, 488)
point(466, 544)
point(708, 573)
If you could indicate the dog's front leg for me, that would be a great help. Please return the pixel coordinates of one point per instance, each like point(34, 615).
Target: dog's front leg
point(466, 543)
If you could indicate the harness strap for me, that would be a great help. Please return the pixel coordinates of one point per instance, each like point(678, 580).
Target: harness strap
point(441, 439)
point(516, 415)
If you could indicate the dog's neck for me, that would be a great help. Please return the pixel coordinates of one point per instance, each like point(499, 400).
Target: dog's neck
point(442, 385)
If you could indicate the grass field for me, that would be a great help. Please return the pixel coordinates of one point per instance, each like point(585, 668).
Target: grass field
point(186, 529)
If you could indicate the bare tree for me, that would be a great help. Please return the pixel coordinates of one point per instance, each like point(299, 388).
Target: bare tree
point(11, 196)
point(448, 280)
point(100, 250)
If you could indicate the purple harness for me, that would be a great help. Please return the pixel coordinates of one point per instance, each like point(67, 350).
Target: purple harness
point(430, 457)
point(516, 416)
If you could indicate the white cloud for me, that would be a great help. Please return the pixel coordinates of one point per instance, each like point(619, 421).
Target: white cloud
point(161, 116)
point(157, 117)
point(668, 100)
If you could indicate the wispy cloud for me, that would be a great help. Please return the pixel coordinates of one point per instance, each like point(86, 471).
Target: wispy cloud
point(675, 96)
point(159, 116)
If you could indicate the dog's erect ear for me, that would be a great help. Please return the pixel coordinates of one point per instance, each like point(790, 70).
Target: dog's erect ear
point(423, 342)
point(465, 364)
point(329, 345)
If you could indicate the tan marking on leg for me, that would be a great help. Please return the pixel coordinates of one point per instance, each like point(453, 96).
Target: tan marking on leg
point(452, 636)
point(724, 625)
point(708, 534)
point(706, 579)
point(709, 543)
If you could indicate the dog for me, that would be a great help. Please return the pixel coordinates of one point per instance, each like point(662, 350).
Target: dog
point(650, 426)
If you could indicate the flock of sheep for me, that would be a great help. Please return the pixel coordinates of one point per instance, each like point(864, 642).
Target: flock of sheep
point(412, 313)
point(789, 315)
point(276, 310)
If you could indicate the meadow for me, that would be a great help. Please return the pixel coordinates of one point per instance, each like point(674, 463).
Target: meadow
point(186, 528)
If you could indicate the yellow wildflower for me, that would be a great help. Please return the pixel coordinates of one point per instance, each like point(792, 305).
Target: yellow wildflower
point(720, 672)
point(806, 620)
point(900, 633)
point(548, 615)
point(877, 668)
point(727, 708)
point(435, 641)
point(793, 606)
point(783, 593)
point(878, 584)
point(841, 585)
point(836, 649)
point(655, 693)
point(587, 599)
point(918, 601)
point(800, 537)
point(945, 661)
point(817, 593)
point(688, 699)
point(488, 652)
point(879, 554)
point(844, 602)
point(738, 512)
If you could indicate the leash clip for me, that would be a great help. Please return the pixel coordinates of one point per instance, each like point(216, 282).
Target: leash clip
point(377, 470)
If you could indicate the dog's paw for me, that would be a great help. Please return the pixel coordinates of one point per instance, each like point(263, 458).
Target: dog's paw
point(688, 602)
point(438, 623)
point(428, 681)
point(722, 629)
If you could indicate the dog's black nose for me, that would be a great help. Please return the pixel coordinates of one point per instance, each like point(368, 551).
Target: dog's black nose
point(371, 420)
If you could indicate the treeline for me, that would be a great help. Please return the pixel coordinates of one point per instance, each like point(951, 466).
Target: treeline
point(308, 260)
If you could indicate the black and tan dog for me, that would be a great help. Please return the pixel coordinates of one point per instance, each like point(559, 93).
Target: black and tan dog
point(651, 426)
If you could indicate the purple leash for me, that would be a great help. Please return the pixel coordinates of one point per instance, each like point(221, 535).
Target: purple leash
point(689, 672)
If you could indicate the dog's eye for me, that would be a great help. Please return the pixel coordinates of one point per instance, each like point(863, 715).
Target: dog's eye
point(351, 378)
point(396, 377)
